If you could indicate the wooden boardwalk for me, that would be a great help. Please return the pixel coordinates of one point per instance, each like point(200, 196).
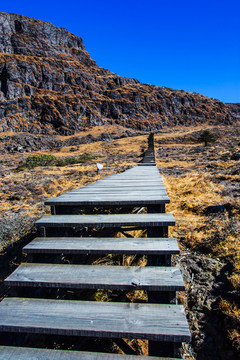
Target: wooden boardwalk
point(160, 321)
point(136, 186)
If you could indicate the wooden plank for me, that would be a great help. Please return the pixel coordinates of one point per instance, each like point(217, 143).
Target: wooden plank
point(137, 178)
point(139, 175)
point(154, 179)
point(76, 245)
point(108, 201)
point(147, 164)
point(111, 196)
point(133, 169)
point(21, 353)
point(136, 170)
point(98, 319)
point(127, 187)
point(134, 187)
point(148, 174)
point(97, 277)
point(113, 220)
point(125, 183)
point(119, 195)
point(119, 191)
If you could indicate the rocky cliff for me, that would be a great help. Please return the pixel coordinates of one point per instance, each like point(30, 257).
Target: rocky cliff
point(49, 83)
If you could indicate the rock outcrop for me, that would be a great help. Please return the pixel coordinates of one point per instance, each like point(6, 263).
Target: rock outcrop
point(49, 83)
point(234, 108)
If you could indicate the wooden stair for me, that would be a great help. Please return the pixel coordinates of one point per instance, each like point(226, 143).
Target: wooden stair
point(159, 323)
point(21, 353)
point(98, 319)
point(97, 277)
point(93, 245)
point(114, 220)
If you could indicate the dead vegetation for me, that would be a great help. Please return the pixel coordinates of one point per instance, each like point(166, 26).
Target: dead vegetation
point(203, 185)
point(51, 173)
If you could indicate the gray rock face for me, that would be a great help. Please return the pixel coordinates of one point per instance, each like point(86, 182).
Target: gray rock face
point(45, 38)
point(48, 82)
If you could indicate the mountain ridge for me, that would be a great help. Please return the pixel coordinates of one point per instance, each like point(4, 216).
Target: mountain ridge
point(49, 83)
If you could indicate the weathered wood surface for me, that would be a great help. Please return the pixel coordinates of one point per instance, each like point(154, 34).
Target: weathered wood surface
point(70, 245)
point(137, 186)
point(97, 277)
point(120, 185)
point(147, 164)
point(120, 188)
point(98, 319)
point(21, 353)
point(109, 199)
point(136, 170)
point(117, 191)
point(147, 179)
point(113, 220)
point(142, 200)
point(125, 182)
point(156, 178)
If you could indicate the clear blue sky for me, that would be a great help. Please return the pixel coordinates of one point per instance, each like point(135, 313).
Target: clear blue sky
point(192, 45)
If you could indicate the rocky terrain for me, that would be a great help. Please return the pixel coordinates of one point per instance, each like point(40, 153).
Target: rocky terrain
point(49, 84)
point(234, 108)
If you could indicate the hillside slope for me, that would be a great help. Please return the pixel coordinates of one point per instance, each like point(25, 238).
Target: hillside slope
point(48, 82)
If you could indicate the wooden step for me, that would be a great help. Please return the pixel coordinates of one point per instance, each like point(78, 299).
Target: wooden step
point(76, 245)
point(118, 191)
point(97, 319)
point(124, 184)
point(108, 200)
point(147, 164)
point(115, 220)
point(142, 199)
point(21, 353)
point(137, 179)
point(97, 277)
point(133, 188)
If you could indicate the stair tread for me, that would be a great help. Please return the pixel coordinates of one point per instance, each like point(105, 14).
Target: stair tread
point(144, 246)
point(113, 220)
point(98, 319)
point(23, 353)
point(149, 278)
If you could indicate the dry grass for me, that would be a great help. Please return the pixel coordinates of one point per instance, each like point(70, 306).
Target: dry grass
point(197, 177)
point(23, 193)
